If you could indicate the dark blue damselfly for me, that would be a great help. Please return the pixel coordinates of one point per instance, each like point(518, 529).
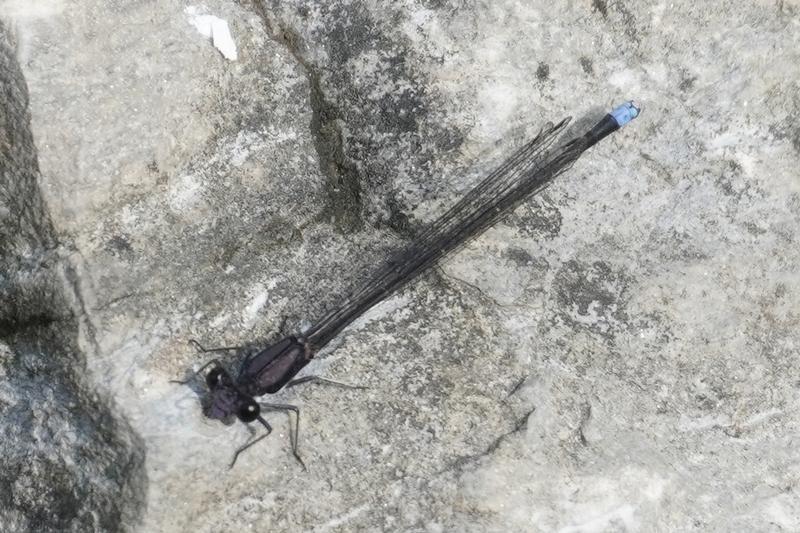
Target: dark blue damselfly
point(267, 371)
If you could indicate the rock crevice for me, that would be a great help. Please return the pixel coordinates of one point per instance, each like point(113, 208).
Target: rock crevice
point(68, 462)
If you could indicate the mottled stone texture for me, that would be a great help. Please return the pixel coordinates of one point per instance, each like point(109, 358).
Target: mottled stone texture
point(67, 464)
point(620, 354)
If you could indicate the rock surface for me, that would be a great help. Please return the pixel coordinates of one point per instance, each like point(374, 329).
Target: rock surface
point(67, 463)
point(619, 354)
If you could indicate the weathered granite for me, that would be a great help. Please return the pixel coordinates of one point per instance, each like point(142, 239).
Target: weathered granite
point(67, 462)
point(618, 355)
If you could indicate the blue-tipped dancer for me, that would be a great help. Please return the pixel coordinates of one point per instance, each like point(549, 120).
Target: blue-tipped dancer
point(526, 172)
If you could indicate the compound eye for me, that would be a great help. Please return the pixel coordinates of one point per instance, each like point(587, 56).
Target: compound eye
point(213, 377)
point(248, 411)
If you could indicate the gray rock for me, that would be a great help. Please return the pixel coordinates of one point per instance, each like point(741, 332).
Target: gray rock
point(619, 354)
point(67, 462)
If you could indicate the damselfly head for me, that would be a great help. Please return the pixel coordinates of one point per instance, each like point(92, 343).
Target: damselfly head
point(224, 401)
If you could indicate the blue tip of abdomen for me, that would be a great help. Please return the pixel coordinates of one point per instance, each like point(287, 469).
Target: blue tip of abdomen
point(625, 113)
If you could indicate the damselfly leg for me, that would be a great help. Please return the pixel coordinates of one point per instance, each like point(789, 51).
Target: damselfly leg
point(293, 434)
point(202, 349)
point(324, 381)
point(214, 362)
point(252, 442)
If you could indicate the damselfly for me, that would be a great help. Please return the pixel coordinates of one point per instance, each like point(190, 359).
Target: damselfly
point(526, 172)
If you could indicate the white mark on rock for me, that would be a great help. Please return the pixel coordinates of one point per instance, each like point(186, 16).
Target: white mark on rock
point(246, 143)
point(501, 100)
point(184, 192)
point(25, 9)
point(339, 520)
point(622, 515)
point(214, 28)
point(624, 78)
point(782, 511)
point(259, 295)
point(220, 320)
